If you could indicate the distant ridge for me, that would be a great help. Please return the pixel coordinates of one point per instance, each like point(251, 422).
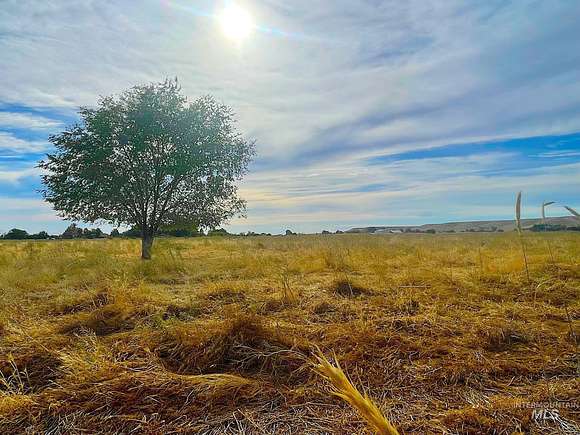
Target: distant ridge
point(469, 226)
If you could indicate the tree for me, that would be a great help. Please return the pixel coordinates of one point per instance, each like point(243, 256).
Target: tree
point(43, 235)
point(147, 159)
point(132, 232)
point(92, 234)
point(217, 232)
point(180, 231)
point(16, 234)
point(72, 232)
point(115, 233)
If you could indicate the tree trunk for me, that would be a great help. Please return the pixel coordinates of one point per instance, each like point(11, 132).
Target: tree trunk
point(146, 245)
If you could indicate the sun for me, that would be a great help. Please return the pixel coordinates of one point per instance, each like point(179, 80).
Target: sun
point(236, 23)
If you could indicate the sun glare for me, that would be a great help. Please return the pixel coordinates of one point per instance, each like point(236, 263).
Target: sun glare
point(236, 23)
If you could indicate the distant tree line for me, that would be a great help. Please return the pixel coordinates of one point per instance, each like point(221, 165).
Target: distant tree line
point(18, 234)
point(72, 232)
point(75, 232)
point(548, 227)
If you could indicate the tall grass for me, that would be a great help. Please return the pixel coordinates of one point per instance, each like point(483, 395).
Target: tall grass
point(93, 341)
point(520, 233)
point(574, 212)
point(551, 252)
point(289, 296)
point(343, 388)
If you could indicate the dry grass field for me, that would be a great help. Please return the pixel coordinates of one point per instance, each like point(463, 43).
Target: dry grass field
point(218, 335)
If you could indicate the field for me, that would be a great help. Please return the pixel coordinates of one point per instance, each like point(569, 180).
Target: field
point(217, 335)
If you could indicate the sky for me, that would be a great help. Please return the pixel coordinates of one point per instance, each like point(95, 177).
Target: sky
point(364, 112)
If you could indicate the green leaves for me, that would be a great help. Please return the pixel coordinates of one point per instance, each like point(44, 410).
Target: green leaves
point(149, 158)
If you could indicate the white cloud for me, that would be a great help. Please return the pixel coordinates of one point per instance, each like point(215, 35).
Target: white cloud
point(9, 142)
point(561, 153)
point(26, 121)
point(15, 175)
point(349, 80)
point(21, 204)
point(410, 192)
point(30, 214)
point(431, 70)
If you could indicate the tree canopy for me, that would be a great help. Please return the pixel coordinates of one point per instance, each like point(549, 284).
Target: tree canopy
point(149, 158)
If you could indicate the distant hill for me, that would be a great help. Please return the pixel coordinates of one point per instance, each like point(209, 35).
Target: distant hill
point(566, 222)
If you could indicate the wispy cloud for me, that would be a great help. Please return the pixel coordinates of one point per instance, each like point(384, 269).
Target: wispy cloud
point(409, 193)
point(15, 175)
point(9, 142)
point(560, 153)
point(14, 120)
point(31, 214)
point(368, 80)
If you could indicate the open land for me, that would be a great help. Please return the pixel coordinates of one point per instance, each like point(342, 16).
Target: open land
point(445, 333)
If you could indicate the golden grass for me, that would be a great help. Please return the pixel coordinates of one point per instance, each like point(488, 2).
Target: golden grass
point(214, 336)
point(520, 232)
point(548, 244)
point(344, 389)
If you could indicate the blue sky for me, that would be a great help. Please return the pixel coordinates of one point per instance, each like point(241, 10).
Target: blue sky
point(364, 112)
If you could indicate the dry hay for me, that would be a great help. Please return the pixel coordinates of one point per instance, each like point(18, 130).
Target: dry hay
point(442, 334)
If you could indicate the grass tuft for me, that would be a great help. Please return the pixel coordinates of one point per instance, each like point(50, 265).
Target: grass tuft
point(345, 288)
point(343, 388)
